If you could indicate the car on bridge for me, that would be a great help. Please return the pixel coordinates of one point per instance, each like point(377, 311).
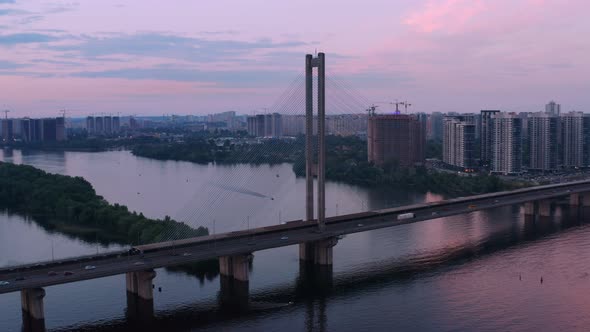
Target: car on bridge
point(405, 216)
point(4, 283)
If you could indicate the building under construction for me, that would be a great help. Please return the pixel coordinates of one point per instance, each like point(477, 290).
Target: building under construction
point(396, 139)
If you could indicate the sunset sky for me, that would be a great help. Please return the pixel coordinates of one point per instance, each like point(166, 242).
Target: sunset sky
point(196, 57)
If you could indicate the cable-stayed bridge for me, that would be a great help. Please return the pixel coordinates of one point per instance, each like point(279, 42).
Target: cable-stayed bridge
point(314, 232)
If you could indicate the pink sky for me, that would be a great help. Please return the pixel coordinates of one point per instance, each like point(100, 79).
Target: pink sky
point(199, 57)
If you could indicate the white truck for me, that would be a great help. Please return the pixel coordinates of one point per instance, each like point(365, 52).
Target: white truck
point(405, 216)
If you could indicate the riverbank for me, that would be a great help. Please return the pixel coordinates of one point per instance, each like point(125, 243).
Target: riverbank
point(203, 151)
point(346, 162)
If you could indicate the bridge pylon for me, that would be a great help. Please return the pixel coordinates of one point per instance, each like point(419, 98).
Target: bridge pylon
point(318, 252)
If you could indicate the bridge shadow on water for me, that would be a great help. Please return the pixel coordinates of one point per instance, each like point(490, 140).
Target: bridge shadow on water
point(315, 287)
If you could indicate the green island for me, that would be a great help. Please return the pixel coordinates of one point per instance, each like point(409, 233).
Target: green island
point(202, 151)
point(71, 206)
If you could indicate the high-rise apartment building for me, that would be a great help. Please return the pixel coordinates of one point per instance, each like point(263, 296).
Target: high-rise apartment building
point(436, 126)
point(572, 139)
point(103, 125)
point(116, 124)
point(553, 108)
point(108, 125)
point(90, 125)
point(294, 125)
point(459, 141)
point(505, 131)
point(98, 125)
point(60, 129)
point(265, 125)
point(543, 141)
point(486, 136)
point(395, 138)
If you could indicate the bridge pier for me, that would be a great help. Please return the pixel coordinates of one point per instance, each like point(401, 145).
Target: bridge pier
point(530, 209)
point(545, 208)
point(235, 281)
point(140, 296)
point(318, 252)
point(574, 199)
point(32, 309)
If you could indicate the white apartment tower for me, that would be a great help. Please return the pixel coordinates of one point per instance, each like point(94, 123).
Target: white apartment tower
point(506, 143)
point(459, 141)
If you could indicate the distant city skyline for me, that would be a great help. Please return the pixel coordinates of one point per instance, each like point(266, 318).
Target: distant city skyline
point(154, 58)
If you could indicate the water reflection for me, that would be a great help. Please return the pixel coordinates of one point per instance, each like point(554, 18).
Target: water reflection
point(316, 288)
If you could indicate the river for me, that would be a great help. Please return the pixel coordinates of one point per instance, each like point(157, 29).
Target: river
point(476, 272)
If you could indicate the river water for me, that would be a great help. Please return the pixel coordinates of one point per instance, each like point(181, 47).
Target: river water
point(476, 272)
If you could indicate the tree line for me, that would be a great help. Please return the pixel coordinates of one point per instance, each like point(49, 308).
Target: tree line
point(71, 205)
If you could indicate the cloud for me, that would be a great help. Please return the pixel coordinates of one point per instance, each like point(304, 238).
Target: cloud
point(248, 78)
point(449, 15)
point(25, 38)
point(6, 12)
point(10, 65)
point(170, 46)
point(31, 19)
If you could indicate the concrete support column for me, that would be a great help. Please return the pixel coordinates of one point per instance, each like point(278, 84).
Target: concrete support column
point(32, 309)
point(545, 208)
point(585, 201)
point(140, 283)
point(530, 208)
point(140, 296)
point(234, 278)
point(236, 267)
point(318, 252)
point(574, 199)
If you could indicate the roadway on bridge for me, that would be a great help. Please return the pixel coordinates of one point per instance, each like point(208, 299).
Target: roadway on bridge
point(284, 235)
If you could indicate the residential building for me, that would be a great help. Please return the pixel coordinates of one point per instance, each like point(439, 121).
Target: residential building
point(486, 136)
point(572, 139)
point(459, 141)
point(506, 143)
point(436, 126)
point(543, 141)
point(553, 108)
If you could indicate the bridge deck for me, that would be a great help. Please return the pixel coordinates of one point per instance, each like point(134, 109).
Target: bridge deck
point(291, 233)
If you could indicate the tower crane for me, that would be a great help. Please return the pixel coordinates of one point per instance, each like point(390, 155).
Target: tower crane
point(406, 105)
point(371, 110)
point(396, 103)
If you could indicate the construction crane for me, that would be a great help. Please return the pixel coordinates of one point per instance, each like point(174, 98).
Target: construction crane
point(406, 105)
point(396, 103)
point(371, 110)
